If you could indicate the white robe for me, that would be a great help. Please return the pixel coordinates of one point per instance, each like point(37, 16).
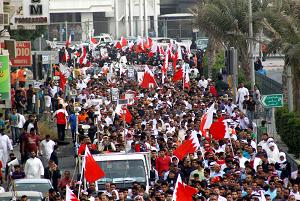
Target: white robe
point(47, 148)
point(5, 148)
point(34, 168)
point(242, 92)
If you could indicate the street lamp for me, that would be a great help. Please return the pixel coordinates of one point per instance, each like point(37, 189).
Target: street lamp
point(252, 70)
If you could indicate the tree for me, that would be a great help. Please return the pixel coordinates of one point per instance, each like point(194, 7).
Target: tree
point(282, 24)
point(226, 21)
point(23, 34)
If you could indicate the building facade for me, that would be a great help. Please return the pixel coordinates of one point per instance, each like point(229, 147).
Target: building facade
point(79, 18)
point(176, 6)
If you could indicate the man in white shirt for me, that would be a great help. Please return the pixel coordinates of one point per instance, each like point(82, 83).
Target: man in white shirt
point(81, 85)
point(242, 92)
point(264, 142)
point(82, 96)
point(243, 121)
point(295, 191)
point(22, 121)
point(5, 147)
point(46, 147)
point(33, 167)
point(203, 82)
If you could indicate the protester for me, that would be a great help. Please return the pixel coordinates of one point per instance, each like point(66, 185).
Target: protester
point(160, 117)
point(33, 167)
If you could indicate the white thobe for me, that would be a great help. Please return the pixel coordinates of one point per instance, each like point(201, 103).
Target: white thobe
point(242, 92)
point(34, 168)
point(5, 147)
point(47, 148)
point(203, 83)
point(21, 121)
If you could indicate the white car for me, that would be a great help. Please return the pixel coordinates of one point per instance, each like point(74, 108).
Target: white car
point(31, 195)
point(39, 185)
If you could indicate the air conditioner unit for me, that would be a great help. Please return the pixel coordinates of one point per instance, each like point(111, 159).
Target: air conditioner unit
point(4, 19)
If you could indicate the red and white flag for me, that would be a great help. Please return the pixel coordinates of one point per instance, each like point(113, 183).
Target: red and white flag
point(153, 50)
point(94, 41)
point(83, 57)
point(66, 56)
point(206, 120)
point(70, 196)
point(210, 116)
point(178, 75)
point(161, 50)
point(140, 45)
point(165, 67)
point(148, 79)
point(187, 79)
point(123, 41)
point(182, 191)
point(92, 171)
point(177, 56)
point(124, 113)
point(118, 45)
point(62, 81)
point(219, 129)
point(191, 145)
point(68, 42)
point(148, 44)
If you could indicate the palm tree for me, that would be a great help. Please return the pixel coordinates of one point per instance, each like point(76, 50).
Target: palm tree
point(282, 24)
point(226, 22)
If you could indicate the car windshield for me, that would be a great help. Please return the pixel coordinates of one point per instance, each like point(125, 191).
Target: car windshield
point(123, 172)
point(40, 187)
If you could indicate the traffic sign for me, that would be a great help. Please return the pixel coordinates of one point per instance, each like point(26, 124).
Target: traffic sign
point(272, 100)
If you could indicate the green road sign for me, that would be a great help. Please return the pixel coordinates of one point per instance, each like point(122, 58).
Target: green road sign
point(272, 100)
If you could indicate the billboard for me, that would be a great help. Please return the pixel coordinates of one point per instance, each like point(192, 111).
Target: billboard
point(4, 78)
point(23, 55)
point(30, 12)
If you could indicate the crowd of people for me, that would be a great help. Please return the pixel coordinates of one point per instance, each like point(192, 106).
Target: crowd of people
point(236, 167)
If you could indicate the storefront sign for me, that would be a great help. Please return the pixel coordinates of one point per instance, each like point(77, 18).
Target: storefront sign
point(32, 12)
point(4, 78)
point(23, 56)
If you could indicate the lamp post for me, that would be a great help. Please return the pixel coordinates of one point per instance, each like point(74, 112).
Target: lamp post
point(251, 60)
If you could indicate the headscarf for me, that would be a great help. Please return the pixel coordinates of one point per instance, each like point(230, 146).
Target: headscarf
point(117, 194)
point(284, 157)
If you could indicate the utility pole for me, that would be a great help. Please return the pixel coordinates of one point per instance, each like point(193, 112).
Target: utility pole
point(290, 89)
point(252, 71)
point(234, 71)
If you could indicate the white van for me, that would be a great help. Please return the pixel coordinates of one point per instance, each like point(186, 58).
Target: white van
point(123, 169)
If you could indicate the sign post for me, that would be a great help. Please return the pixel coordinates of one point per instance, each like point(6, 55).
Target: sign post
point(272, 100)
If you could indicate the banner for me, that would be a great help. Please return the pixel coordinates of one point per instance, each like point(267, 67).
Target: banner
point(4, 77)
point(23, 55)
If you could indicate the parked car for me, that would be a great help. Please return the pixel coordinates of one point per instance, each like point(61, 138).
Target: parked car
point(31, 195)
point(104, 38)
point(40, 185)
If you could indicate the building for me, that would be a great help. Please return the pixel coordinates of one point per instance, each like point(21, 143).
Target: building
point(79, 18)
point(176, 6)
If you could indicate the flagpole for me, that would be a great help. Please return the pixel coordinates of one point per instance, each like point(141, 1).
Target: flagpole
point(183, 77)
point(231, 146)
point(124, 124)
point(81, 173)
